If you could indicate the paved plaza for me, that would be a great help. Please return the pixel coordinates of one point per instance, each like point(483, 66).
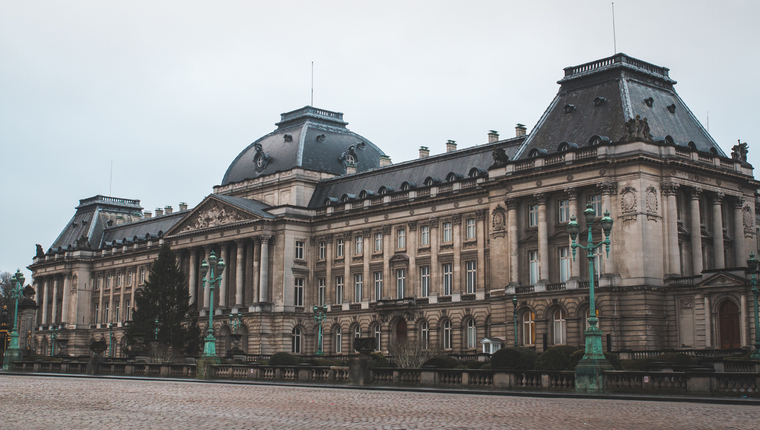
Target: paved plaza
point(33, 402)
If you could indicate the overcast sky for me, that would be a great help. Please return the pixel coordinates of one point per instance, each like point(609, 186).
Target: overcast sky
point(171, 92)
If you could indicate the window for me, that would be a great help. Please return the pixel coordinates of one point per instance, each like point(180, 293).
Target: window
point(118, 279)
point(100, 282)
point(424, 335)
point(299, 250)
point(359, 245)
point(377, 337)
point(142, 276)
point(338, 341)
point(533, 259)
point(116, 308)
point(471, 334)
point(560, 325)
point(448, 277)
point(564, 264)
point(400, 283)
point(564, 210)
point(339, 248)
point(97, 313)
point(596, 203)
point(129, 277)
point(529, 328)
point(322, 250)
point(532, 215)
point(321, 292)
point(378, 242)
point(425, 281)
point(599, 261)
point(447, 334)
point(470, 228)
point(295, 346)
point(447, 232)
point(105, 314)
point(298, 296)
point(425, 235)
point(401, 235)
point(378, 286)
point(128, 314)
point(338, 290)
point(358, 281)
point(108, 281)
point(471, 268)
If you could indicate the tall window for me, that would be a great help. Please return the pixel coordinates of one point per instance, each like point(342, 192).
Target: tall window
point(116, 311)
point(472, 273)
point(142, 275)
point(471, 334)
point(129, 311)
point(400, 283)
point(295, 346)
point(560, 326)
point(532, 215)
point(448, 278)
point(564, 264)
point(108, 280)
point(359, 248)
point(338, 341)
point(425, 281)
point(598, 261)
point(105, 314)
point(338, 290)
point(339, 247)
point(378, 286)
point(424, 335)
point(298, 296)
point(377, 337)
point(129, 277)
point(321, 292)
point(401, 236)
point(596, 203)
point(378, 242)
point(100, 282)
point(447, 232)
point(358, 281)
point(447, 334)
point(564, 210)
point(97, 312)
point(299, 250)
point(425, 235)
point(529, 328)
point(322, 250)
point(470, 228)
point(118, 279)
point(533, 259)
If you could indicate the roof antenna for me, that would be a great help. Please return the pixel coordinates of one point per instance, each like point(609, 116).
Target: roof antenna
point(312, 84)
point(110, 184)
point(614, 36)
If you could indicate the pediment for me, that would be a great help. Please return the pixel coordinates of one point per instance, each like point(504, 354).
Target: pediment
point(399, 258)
point(212, 213)
point(723, 279)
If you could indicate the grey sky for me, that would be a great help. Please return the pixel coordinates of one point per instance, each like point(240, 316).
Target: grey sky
point(173, 91)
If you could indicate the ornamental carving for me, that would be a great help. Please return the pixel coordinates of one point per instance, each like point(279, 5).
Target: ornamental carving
point(500, 158)
point(456, 219)
point(651, 199)
point(748, 218)
point(213, 216)
point(539, 198)
point(433, 222)
point(412, 225)
point(637, 128)
point(740, 151)
point(571, 193)
point(669, 189)
point(499, 219)
point(481, 214)
point(511, 203)
point(261, 158)
point(386, 229)
point(628, 199)
point(607, 187)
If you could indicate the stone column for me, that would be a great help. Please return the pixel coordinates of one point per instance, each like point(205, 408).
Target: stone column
point(739, 252)
point(575, 265)
point(45, 300)
point(329, 284)
point(720, 261)
point(608, 188)
point(543, 239)
point(387, 253)
point(110, 299)
point(239, 264)
point(54, 312)
point(348, 253)
point(671, 218)
point(743, 321)
point(264, 269)
point(192, 284)
point(66, 294)
point(412, 279)
point(696, 232)
point(101, 297)
point(223, 282)
point(207, 249)
point(708, 323)
point(514, 251)
point(480, 234)
point(121, 298)
point(252, 255)
point(436, 275)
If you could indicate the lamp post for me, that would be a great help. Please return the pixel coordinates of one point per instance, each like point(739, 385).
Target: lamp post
point(209, 348)
point(53, 338)
point(234, 322)
point(110, 340)
point(514, 315)
point(14, 352)
point(155, 330)
point(752, 263)
point(320, 313)
point(588, 373)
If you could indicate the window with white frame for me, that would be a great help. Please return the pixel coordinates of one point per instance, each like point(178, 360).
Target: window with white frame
point(400, 283)
point(532, 215)
point(564, 210)
point(564, 264)
point(401, 236)
point(378, 242)
point(116, 308)
point(471, 334)
point(321, 291)
point(338, 290)
point(533, 266)
point(470, 223)
point(358, 286)
point(298, 296)
point(97, 313)
point(108, 280)
point(339, 247)
point(472, 274)
point(299, 250)
point(446, 232)
point(378, 285)
point(129, 277)
point(128, 313)
point(338, 341)
point(118, 279)
point(357, 333)
point(424, 335)
point(559, 321)
point(295, 346)
point(377, 337)
point(142, 276)
point(425, 235)
point(446, 334)
point(448, 278)
point(529, 328)
point(105, 314)
point(598, 261)
point(322, 250)
point(596, 203)
point(425, 281)
point(359, 245)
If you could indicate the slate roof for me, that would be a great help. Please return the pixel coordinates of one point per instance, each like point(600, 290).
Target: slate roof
point(416, 171)
point(630, 88)
point(310, 138)
point(253, 206)
point(89, 219)
point(156, 227)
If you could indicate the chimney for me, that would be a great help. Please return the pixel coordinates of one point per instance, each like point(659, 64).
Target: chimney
point(451, 145)
point(350, 168)
point(182, 206)
point(159, 211)
point(493, 136)
point(424, 152)
point(385, 160)
point(147, 214)
point(168, 210)
point(520, 130)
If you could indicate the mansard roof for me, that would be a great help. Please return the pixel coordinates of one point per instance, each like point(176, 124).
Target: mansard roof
point(145, 229)
point(599, 98)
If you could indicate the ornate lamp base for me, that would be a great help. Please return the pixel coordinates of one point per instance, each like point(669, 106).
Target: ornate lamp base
point(13, 353)
point(203, 369)
point(589, 377)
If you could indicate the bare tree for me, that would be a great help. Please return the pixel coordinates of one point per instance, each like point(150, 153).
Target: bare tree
point(410, 354)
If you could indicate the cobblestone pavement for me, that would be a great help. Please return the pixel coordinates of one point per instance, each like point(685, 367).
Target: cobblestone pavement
point(77, 403)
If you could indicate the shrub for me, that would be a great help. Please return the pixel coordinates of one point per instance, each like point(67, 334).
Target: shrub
point(442, 362)
point(486, 366)
point(556, 358)
point(474, 365)
point(676, 359)
point(514, 358)
point(379, 360)
point(613, 359)
point(283, 359)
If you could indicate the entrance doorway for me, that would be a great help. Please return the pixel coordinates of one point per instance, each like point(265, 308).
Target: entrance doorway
point(401, 331)
point(728, 315)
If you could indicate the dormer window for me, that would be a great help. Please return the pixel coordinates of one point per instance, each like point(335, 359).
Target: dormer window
point(431, 180)
point(350, 159)
point(536, 152)
point(406, 186)
point(596, 140)
point(566, 146)
point(691, 145)
point(451, 177)
point(385, 190)
point(477, 172)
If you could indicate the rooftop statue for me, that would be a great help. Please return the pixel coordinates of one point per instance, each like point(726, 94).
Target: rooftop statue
point(740, 151)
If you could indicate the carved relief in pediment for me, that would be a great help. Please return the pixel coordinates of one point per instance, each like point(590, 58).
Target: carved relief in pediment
point(213, 215)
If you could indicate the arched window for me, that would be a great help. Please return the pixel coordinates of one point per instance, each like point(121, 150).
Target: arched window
point(295, 346)
point(559, 321)
point(338, 341)
point(529, 328)
point(424, 335)
point(471, 334)
point(446, 334)
point(357, 334)
point(377, 337)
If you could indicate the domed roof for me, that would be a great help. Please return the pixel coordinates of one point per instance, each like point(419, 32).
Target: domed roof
point(310, 138)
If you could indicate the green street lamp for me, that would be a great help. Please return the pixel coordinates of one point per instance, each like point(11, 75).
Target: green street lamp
point(209, 348)
point(14, 352)
point(588, 374)
point(234, 322)
point(155, 330)
point(53, 338)
point(753, 267)
point(514, 315)
point(320, 313)
point(110, 340)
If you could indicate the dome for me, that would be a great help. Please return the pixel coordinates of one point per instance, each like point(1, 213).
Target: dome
point(309, 138)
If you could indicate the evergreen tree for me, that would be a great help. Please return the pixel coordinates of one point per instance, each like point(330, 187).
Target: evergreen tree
point(165, 296)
